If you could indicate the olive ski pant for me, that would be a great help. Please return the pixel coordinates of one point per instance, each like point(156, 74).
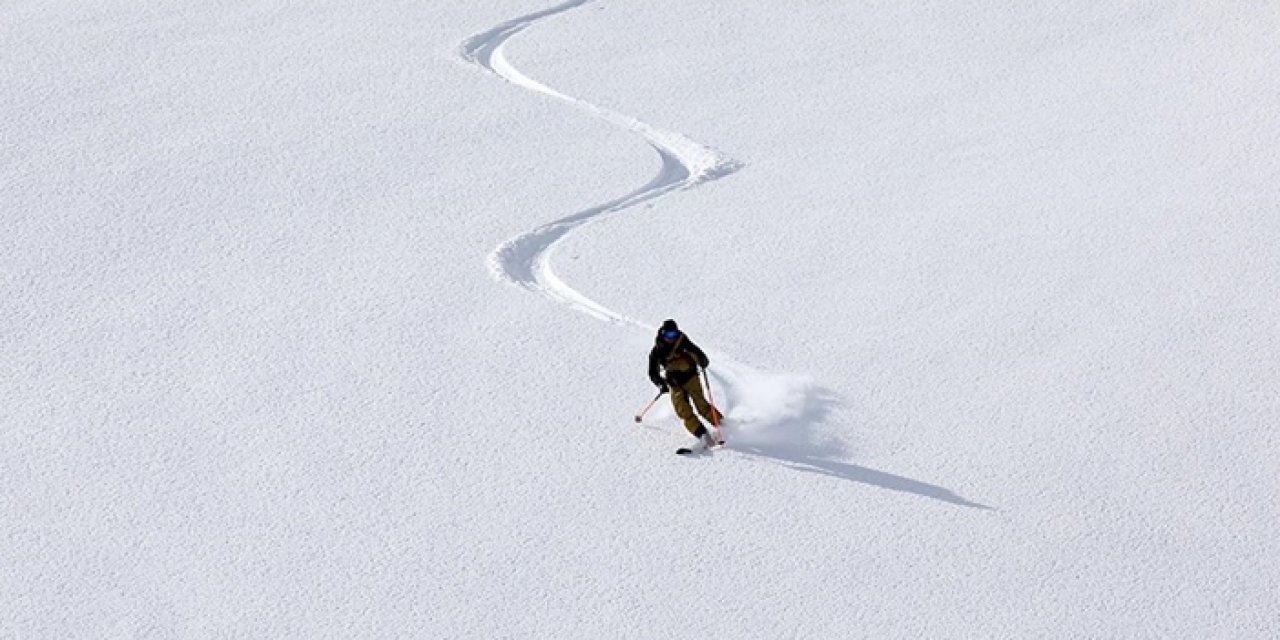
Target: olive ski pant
point(691, 392)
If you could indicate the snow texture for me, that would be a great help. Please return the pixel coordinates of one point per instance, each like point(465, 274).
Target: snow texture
point(989, 291)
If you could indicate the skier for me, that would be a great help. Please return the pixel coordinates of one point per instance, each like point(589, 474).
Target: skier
point(675, 353)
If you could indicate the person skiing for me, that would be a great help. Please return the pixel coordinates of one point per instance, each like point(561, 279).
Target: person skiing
point(675, 354)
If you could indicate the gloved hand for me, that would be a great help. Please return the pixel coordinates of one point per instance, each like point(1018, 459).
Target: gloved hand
point(663, 388)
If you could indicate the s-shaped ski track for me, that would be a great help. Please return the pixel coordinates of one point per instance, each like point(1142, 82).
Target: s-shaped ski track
point(525, 259)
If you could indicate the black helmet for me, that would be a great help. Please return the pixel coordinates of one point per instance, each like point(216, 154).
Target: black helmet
point(669, 331)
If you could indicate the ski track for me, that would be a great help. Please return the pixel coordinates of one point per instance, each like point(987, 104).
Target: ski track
point(762, 405)
point(525, 259)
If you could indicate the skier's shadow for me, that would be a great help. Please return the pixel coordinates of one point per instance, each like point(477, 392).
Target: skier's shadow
point(792, 444)
point(856, 473)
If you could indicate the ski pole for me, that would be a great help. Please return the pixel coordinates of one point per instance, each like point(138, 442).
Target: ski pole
point(715, 411)
point(640, 416)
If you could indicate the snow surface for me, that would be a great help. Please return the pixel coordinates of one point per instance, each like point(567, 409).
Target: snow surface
point(990, 292)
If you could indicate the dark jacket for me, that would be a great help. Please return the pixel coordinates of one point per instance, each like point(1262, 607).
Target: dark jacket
point(680, 358)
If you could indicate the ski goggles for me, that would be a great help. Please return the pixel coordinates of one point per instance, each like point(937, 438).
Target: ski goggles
point(670, 334)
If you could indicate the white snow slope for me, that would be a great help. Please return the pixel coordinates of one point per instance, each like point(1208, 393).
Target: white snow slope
point(991, 293)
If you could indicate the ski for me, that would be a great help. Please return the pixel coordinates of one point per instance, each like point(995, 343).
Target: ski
point(684, 451)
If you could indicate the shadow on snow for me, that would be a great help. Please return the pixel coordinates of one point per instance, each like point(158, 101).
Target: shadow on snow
point(793, 442)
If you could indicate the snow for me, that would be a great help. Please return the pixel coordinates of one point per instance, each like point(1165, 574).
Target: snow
point(331, 320)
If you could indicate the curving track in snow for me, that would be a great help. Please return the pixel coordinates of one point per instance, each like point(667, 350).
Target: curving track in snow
point(525, 259)
point(770, 412)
